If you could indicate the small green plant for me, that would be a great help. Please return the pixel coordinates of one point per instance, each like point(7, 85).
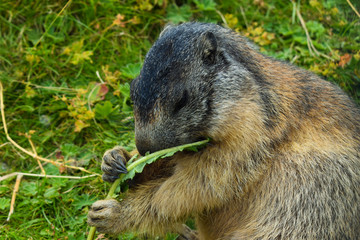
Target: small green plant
point(137, 166)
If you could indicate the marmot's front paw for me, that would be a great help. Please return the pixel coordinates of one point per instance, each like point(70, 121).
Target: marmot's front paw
point(187, 234)
point(104, 215)
point(113, 164)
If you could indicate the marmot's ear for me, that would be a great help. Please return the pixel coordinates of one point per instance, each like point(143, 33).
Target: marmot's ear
point(208, 47)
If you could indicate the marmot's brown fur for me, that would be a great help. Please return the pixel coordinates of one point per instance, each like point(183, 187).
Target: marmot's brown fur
point(284, 158)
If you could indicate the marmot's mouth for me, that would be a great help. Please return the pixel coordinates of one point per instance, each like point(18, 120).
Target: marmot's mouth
point(201, 139)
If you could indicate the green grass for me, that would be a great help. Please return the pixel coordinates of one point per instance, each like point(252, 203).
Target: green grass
point(53, 96)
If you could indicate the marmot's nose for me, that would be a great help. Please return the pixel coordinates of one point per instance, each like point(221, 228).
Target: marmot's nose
point(143, 146)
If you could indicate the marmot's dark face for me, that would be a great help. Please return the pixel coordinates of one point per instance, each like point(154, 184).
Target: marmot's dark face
point(173, 94)
point(192, 75)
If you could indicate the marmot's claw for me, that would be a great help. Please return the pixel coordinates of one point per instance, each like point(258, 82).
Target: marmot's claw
point(113, 164)
point(120, 161)
point(109, 178)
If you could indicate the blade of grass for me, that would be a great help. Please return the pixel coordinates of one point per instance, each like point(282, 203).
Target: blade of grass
point(47, 30)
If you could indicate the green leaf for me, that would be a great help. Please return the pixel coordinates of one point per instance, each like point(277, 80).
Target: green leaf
point(289, 30)
point(315, 28)
point(194, 149)
point(81, 57)
point(45, 232)
point(83, 200)
point(34, 35)
point(47, 135)
point(4, 203)
point(35, 201)
point(125, 95)
point(29, 188)
point(205, 5)
point(77, 46)
point(124, 90)
point(300, 39)
point(4, 189)
point(177, 14)
point(169, 154)
point(69, 149)
point(93, 95)
point(77, 220)
point(25, 108)
point(58, 182)
point(138, 165)
point(51, 169)
point(55, 106)
point(52, 192)
point(85, 158)
point(102, 111)
point(131, 70)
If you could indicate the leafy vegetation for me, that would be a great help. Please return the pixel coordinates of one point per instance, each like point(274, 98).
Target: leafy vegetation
point(65, 67)
point(137, 166)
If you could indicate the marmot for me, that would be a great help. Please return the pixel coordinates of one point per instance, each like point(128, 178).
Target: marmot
point(284, 157)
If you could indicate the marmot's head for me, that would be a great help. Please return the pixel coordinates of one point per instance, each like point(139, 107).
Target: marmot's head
point(188, 74)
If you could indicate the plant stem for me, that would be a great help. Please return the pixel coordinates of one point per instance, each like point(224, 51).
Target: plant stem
point(91, 233)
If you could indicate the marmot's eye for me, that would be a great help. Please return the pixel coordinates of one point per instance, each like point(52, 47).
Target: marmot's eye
point(182, 102)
